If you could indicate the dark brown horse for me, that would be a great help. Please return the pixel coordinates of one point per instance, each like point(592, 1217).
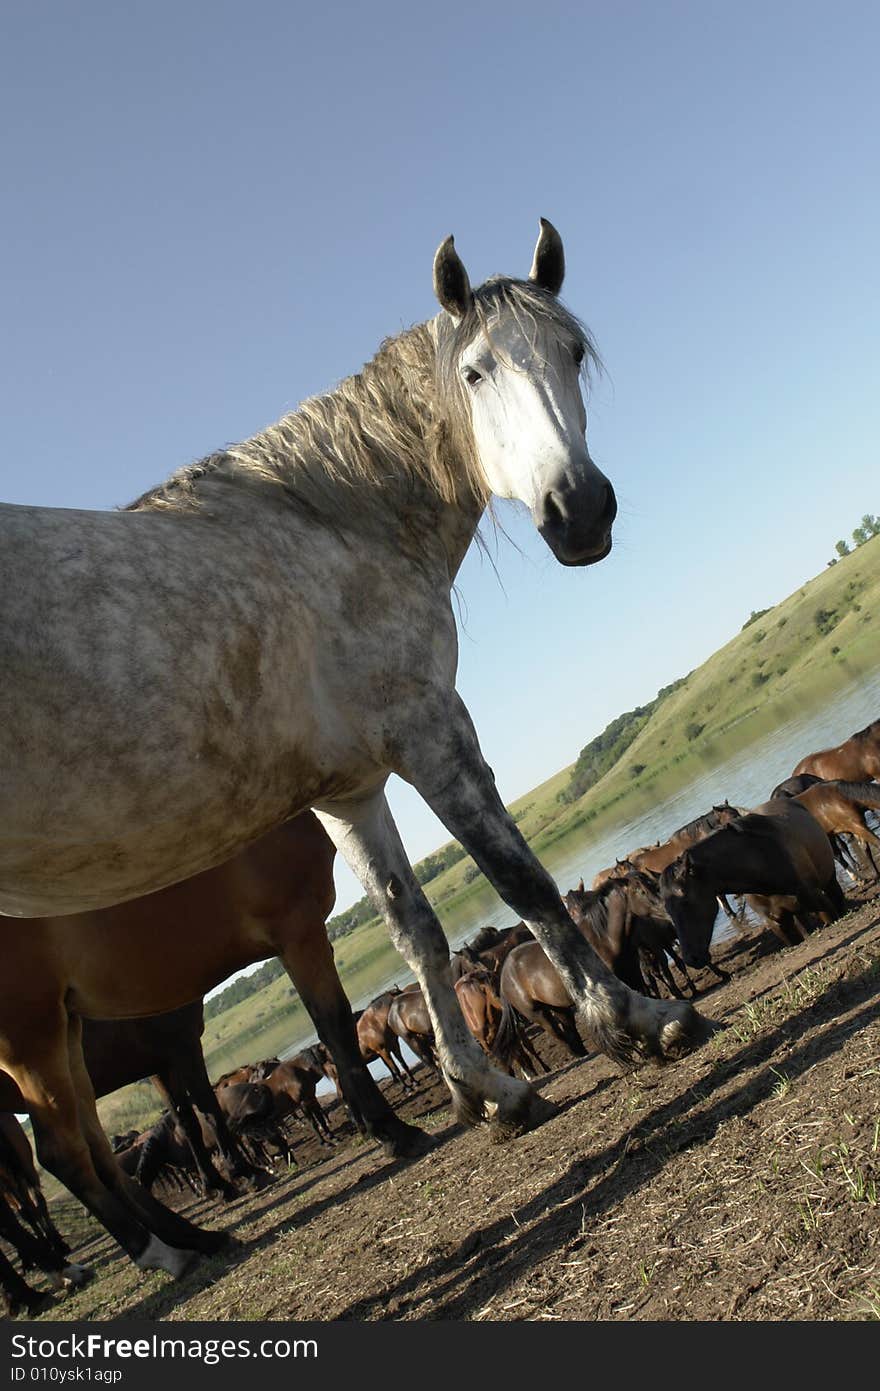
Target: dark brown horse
point(854, 760)
point(625, 922)
point(152, 955)
point(248, 1114)
point(776, 850)
point(489, 948)
point(167, 1048)
point(852, 858)
point(409, 1019)
point(26, 1224)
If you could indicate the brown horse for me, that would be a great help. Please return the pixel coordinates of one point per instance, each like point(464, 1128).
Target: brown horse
point(409, 1019)
point(854, 760)
point(494, 1023)
point(155, 954)
point(293, 1091)
point(248, 1114)
point(839, 807)
point(776, 850)
point(533, 986)
point(624, 922)
point(377, 1040)
point(657, 857)
point(488, 1017)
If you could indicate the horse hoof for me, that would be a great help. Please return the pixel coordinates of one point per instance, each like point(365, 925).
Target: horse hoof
point(533, 1111)
point(684, 1032)
point(408, 1143)
point(210, 1242)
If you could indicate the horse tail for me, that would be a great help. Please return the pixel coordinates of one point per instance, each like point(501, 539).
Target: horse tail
point(867, 793)
point(152, 1159)
point(507, 1035)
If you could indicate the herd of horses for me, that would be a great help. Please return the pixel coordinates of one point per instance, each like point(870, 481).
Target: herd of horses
point(103, 1011)
point(203, 696)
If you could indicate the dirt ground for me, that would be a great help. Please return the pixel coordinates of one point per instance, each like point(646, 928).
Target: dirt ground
point(740, 1184)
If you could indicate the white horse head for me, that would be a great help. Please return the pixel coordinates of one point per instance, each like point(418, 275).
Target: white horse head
point(517, 356)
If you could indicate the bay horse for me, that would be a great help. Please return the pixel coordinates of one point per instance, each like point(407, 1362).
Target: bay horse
point(293, 1091)
point(657, 857)
point(857, 758)
point(530, 983)
point(155, 954)
point(852, 860)
point(489, 1018)
point(839, 807)
point(376, 1039)
point(272, 629)
point(778, 849)
point(622, 920)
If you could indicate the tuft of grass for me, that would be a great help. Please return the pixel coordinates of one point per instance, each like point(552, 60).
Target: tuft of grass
point(783, 1083)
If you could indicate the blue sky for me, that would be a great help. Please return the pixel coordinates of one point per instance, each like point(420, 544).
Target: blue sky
point(215, 210)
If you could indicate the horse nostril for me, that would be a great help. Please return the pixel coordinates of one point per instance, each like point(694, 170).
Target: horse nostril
point(553, 513)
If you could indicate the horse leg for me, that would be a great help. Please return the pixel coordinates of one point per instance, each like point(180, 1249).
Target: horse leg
point(527, 1054)
point(17, 1292)
point(395, 1051)
point(172, 1230)
point(308, 960)
point(32, 1250)
point(365, 833)
point(47, 1088)
point(191, 1076)
point(311, 1110)
point(175, 1098)
point(446, 766)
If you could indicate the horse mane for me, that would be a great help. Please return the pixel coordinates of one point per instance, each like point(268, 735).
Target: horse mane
point(488, 936)
point(869, 732)
point(399, 426)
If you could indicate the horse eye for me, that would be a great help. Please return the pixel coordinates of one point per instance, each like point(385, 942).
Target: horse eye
point(472, 376)
point(579, 354)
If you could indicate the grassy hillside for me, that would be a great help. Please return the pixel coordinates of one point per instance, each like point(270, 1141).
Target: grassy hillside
point(792, 657)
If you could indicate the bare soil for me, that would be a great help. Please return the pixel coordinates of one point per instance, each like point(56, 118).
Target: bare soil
point(740, 1184)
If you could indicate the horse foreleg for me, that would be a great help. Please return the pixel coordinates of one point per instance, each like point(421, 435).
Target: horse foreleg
point(365, 834)
point(398, 1066)
point(212, 1179)
point(445, 764)
point(47, 1086)
point(177, 1237)
point(308, 959)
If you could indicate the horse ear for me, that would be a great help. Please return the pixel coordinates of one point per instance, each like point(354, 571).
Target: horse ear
point(451, 284)
point(548, 264)
point(580, 887)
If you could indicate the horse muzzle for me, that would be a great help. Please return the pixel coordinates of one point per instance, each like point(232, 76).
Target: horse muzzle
point(576, 522)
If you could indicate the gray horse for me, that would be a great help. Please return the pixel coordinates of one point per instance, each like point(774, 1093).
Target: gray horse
point(271, 629)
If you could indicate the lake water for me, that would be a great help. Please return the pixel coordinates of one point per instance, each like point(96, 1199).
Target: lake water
point(746, 779)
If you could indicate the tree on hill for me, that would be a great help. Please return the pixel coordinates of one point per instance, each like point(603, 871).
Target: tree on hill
point(867, 528)
point(603, 752)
